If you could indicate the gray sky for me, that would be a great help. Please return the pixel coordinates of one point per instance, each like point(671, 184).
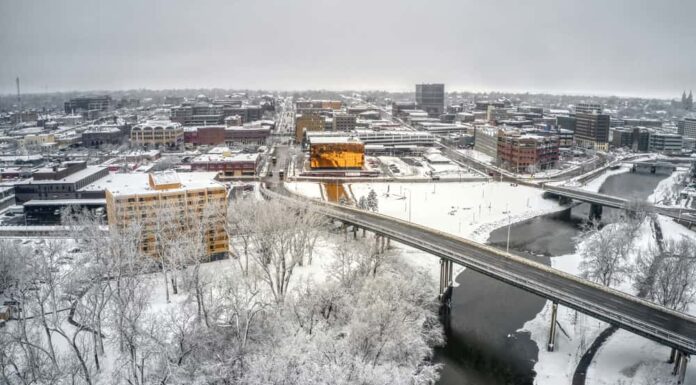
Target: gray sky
point(622, 47)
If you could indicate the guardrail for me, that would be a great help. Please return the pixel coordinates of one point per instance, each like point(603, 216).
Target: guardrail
point(605, 313)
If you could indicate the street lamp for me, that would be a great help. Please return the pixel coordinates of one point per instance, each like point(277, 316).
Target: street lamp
point(507, 245)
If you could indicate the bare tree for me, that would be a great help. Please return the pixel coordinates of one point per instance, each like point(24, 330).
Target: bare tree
point(604, 253)
point(668, 277)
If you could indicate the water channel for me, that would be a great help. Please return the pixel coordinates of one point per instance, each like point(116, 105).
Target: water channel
point(483, 346)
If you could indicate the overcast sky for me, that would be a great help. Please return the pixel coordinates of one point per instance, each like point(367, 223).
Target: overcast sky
point(622, 47)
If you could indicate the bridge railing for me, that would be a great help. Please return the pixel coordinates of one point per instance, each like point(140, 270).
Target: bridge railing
point(352, 215)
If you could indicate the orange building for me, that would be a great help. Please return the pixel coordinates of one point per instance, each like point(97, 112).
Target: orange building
point(336, 152)
point(181, 200)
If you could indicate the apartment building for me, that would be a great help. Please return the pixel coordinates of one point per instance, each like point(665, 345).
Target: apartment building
point(184, 201)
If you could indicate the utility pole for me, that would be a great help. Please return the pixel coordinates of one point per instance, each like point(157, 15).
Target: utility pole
point(19, 101)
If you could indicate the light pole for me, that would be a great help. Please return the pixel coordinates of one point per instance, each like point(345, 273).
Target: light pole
point(507, 245)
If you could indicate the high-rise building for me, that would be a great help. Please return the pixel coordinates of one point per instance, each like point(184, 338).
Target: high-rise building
point(592, 126)
point(431, 98)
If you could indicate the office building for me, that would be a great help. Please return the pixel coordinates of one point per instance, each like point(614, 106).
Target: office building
point(157, 134)
point(344, 122)
point(206, 135)
point(523, 152)
point(486, 140)
point(147, 199)
point(592, 127)
point(431, 98)
point(88, 103)
point(687, 127)
point(59, 182)
point(665, 143)
point(306, 123)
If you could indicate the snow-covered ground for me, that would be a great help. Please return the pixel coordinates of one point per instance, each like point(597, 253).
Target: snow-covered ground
point(625, 358)
point(473, 210)
point(470, 210)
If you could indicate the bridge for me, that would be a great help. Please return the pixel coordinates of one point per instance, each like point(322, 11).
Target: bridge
point(658, 323)
point(597, 200)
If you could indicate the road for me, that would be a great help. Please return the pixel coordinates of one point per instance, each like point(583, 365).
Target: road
point(623, 310)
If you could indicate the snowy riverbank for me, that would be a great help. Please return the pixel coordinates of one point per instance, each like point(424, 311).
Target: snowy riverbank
point(625, 358)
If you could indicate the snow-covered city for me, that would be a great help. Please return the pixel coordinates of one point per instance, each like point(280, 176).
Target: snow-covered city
point(367, 193)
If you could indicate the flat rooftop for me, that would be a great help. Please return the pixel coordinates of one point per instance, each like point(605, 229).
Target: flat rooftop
point(72, 178)
point(138, 183)
point(333, 139)
point(232, 158)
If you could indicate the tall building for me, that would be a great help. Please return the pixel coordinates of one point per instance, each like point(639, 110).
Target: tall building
point(150, 199)
point(687, 101)
point(431, 98)
point(687, 127)
point(307, 122)
point(592, 127)
point(344, 122)
point(665, 143)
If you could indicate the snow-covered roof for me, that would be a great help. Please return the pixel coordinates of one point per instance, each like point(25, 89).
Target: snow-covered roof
point(137, 183)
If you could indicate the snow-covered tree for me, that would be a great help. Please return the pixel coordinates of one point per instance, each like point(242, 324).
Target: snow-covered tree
point(372, 201)
point(605, 253)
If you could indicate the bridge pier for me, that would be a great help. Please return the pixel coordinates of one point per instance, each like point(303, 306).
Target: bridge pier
point(595, 211)
point(355, 232)
point(552, 332)
point(446, 273)
point(681, 375)
point(672, 355)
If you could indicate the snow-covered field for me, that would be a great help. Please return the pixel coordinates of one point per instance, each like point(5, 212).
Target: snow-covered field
point(470, 210)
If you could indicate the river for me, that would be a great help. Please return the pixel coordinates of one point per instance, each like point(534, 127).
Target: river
point(483, 345)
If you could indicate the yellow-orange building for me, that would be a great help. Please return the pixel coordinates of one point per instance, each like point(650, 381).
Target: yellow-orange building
point(175, 201)
point(336, 152)
point(307, 123)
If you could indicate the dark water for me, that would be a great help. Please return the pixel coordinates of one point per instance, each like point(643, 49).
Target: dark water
point(483, 347)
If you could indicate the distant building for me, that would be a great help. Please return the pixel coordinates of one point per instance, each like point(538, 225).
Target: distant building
point(306, 123)
point(486, 140)
point(140, 198)
point(206, 135)
point(687, 127)
point(344, 122)
point(431, 98)
point(97, 136)
point(525, 152)
point(88, 103)
point(245, 136)
point(227, 164)
point(592, 127)
point(59, 182)
point(398, 108)
point(566, 122)
point(566, 138)
point(157, 134)
point(665, 143)
point(331, 152)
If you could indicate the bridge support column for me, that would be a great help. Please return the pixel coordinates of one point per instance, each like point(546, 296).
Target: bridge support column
point(446, 273)
point(552, 332)
point(355, 232)
point(672, 355)
point(681, 376)
point(363, 233)
point(677, 361)
point(595, 212)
